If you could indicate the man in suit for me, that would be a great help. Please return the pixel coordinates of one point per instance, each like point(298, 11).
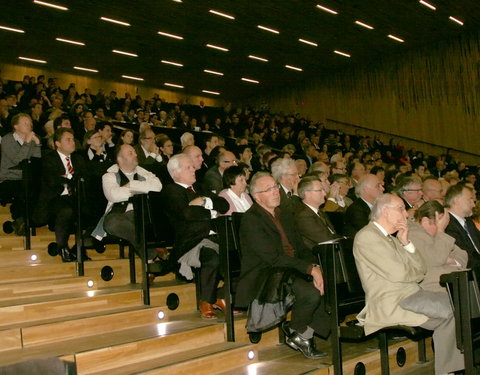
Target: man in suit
point(368, 189)
point(460, 201)
point(410, 190)
point(356, 171)
point(268, 240)
point(56, 202)
point(212, 181)
point(190, 211)
point(312, 224)
point(337, 200)
point(200, 167)
point(285, 172)
point(390, 269)
point(432, 190)
point(148, 153)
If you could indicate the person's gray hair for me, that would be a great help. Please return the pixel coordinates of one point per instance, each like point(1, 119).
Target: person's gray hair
point(174, 163)
point(305, 184)
point(280, 167)
point(404, 183)
point(185, 137)
point(381, 202)
point(361, 185)
point(254, 181)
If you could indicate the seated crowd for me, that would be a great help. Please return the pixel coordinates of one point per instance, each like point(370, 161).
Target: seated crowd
point(413, 216)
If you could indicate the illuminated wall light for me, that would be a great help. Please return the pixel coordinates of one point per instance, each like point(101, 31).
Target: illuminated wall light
point(49, 5)
point(257, 58)
point(213, 72)
point(455, 20)
point(342, 53)
point(124, 53)
point(70, 41)
point(308, 42)
point(294, 68)
point(132, 77)
point(221, 14)
point(33, 60)
point(427, 5)
point(115, 21)
point(217, 47)
point(85, 69)
point(170, 35)
point(91, 293)
point(90, 283)
point(250, 80)
point(161, 315)
point(326, 9)
point(395, 38)
point(33, 257)
point(251, 355)
point(173, 85)
point(268, 29)
point(211, 92)
point(364, 25)
point(171, 63)
point(12, 29)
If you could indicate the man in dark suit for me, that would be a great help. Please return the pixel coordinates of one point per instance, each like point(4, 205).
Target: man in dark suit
point(268, 240)
point(312, 224)
point(56, 202)
point(213, 179)
point(460, 201)
point(409, 189)
point(190, 211)
point(369, 187)
point(285, 172)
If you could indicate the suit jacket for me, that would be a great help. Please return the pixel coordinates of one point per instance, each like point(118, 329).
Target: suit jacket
point(287, 203)
point(262, 250)
point(356, 217)
point(462, 240)
point(331, 206)
point(312, 228)
point(190, 223)
point(389, 273)
point(435, 251)
point(53, 181)
point(213, 181)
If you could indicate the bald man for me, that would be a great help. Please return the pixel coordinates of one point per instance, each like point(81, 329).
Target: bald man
point(213, 178)
point(432, 190)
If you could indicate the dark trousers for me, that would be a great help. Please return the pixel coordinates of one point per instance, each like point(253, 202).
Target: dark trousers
point(62, 211)
point(14, 191)
point(209, 275)
point(308, 309)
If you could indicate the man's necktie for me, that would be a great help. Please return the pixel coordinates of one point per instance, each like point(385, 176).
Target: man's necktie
point(191, 189)
point(289, 194)
point(69, 166)
point(465, 226)
point(324, 221)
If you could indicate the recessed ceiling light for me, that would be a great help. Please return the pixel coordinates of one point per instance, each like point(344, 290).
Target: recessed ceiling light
point(326, 9)
point(178, 1)
point(250, 80)
point(33, 60)
point(308, 42)
point(49, 5)
point(132, 77)
point(115, 21)
point(12, 29)
point(364, 25)
point(268, 29)
point(427, 5)
point(221, 14)
point(213, 72)
point(211, 92)
point(217, 47)
point(342, 53)
point(124, 53)
point(86, 69)
point(171, 63)
point(455, 20)
point(173, 85)
point(170, 35)
point(257, 58)
point(395, 38)
point(70, 41)
point(294, 68)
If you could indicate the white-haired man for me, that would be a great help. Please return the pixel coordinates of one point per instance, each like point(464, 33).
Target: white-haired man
point(285, 172)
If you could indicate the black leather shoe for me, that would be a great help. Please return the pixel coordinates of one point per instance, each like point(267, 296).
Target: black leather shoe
point(67, 256)
point(305, 346)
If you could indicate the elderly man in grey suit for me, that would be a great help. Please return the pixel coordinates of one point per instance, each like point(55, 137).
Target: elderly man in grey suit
point(390, 269)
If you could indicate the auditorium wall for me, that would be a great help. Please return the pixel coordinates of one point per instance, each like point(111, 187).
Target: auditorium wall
point(16, 73)
point(430, 94)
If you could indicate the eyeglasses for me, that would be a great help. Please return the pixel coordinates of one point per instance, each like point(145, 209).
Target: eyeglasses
point(270, 189)
point(315, 190)
point(229, 161)
point(413, 190)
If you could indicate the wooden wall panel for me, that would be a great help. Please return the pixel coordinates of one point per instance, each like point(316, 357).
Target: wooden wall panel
point(430, 94)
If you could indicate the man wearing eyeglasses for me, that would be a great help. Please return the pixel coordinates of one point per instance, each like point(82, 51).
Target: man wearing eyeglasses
point(213, 179)
point(285, 172)
point(269, 240)
point(410, 190)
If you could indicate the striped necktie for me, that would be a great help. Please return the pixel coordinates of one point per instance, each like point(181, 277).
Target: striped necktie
point(69, 166)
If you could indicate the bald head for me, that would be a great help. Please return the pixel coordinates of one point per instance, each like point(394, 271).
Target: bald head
point(432, 190)
point(369, 188)
point(195, 154)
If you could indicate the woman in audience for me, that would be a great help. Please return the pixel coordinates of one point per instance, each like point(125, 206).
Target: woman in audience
point(235, 184)
point(126, 137)
point(165, 146)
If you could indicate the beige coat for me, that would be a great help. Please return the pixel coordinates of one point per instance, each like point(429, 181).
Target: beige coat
point(435, 251)
point(389, 273)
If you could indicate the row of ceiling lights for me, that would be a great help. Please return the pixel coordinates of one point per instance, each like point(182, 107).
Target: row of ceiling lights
point(220, 48)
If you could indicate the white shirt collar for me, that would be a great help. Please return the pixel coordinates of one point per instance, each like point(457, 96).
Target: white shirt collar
point(461, 220)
